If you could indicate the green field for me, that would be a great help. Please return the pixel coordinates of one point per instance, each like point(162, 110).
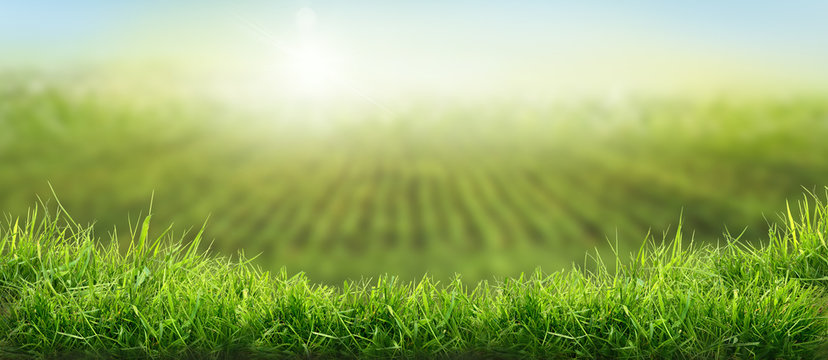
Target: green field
point(257, 179)
point(340, 192)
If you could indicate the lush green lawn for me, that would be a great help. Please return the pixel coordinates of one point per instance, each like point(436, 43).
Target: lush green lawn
point(442, 187)
point(63, 292)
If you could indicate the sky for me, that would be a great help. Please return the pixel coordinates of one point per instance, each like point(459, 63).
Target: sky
point(457, 46)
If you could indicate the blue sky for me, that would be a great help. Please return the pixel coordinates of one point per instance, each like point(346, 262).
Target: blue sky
point(588, 36)
point(781, 23)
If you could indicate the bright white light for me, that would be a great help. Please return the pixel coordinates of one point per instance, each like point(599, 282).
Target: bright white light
point(306, 19)
point(311, 66)
point(312, 70)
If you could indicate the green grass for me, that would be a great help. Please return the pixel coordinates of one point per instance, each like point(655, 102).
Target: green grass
point(64, 292)
point(340, 192)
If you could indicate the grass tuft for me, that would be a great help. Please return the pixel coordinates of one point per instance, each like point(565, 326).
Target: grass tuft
point(64, 292)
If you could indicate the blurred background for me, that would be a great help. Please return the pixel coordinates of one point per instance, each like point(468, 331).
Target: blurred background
point(351, 139)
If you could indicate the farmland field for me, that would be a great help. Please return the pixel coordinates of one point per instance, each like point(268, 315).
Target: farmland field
point(478, 188)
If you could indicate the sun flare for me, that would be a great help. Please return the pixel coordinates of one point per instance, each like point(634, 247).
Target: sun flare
point(312, 69)
point(311, 65)
point(306, 19)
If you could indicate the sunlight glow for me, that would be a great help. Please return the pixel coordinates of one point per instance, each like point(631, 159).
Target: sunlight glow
point(312, 70)
point(311, 65)
point(306, 19)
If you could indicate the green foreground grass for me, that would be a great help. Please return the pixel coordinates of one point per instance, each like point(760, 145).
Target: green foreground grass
point(63, 292)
